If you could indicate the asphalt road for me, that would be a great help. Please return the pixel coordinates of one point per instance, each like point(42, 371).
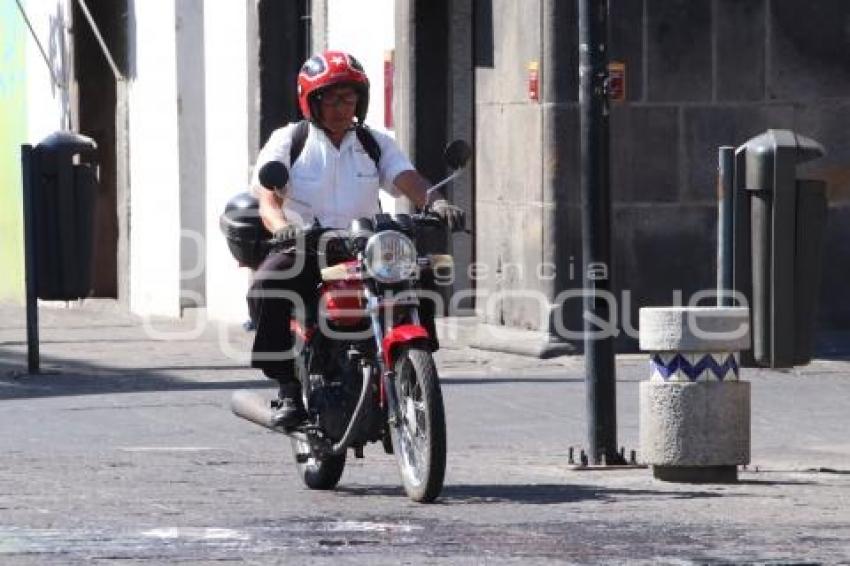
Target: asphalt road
point(134, 457)
point(171, 476)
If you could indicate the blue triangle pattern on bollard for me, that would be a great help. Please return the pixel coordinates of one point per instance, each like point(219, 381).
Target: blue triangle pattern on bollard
point(693, 371)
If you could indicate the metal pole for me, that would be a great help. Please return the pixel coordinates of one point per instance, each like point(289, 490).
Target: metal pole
point(97, 35)
point(29, 159)
point(307, 18)
point(725, 243)
point(596, 231)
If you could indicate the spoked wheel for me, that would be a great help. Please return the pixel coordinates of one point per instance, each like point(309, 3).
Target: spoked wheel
point(419, 433)
point(317, 473)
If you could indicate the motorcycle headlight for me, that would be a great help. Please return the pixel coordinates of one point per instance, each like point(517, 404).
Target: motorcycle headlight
point(390, 257)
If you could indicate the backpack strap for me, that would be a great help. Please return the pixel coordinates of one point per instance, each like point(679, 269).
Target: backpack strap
point(299, 138)
point(367, 140)
point(373, 150)
point(364, 136)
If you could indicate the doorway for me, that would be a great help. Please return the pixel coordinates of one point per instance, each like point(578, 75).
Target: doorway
point(94, 115)
point(284, 29)
point(444, 93)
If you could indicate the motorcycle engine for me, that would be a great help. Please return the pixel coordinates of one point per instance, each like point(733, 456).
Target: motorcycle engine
point(334, 387)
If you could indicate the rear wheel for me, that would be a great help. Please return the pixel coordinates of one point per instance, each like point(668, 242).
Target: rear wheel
point(419, 432)
point(317, 473)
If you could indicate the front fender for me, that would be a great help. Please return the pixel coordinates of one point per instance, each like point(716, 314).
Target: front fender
point(399, 336)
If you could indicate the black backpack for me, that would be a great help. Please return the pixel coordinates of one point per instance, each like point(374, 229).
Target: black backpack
point(364, 136)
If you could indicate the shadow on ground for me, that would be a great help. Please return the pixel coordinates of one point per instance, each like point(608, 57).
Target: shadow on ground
point(82, 378)
point(532, 494)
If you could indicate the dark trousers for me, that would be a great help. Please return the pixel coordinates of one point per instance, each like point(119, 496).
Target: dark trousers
point(282, 283)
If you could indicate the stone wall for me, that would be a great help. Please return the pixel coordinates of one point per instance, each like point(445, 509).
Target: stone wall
point(700, 73)
point(509, 189)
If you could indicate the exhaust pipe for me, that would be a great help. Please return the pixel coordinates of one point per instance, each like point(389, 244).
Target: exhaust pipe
point(357, 416)
point(253, 407)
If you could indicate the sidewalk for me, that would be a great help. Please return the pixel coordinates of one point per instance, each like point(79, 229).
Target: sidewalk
point(101, 337)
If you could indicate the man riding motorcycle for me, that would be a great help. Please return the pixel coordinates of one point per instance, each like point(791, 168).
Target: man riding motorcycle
point(332, 181)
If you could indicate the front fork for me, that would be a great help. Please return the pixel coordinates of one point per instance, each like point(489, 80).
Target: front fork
point(388, 397)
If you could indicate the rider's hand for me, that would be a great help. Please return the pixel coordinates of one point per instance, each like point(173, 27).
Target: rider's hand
point(287, 233)
point(452, 215)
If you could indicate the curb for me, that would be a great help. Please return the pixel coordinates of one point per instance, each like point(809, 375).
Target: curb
point(470, 332)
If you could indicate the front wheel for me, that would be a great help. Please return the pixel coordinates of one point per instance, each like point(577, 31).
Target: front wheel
point(317, 473)
point(419, 430)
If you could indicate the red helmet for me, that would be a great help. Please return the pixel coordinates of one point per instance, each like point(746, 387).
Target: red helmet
point(331, 68)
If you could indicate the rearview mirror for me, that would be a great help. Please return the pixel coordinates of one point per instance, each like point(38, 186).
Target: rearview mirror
point(457, 154)
point(273, 175)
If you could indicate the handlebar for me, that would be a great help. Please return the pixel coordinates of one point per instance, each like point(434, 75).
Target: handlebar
point(345, 242)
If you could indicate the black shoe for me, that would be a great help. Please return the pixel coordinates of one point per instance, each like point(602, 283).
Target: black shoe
point(289, 410)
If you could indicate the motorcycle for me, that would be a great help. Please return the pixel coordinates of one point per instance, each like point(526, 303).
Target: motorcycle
point(364, 357)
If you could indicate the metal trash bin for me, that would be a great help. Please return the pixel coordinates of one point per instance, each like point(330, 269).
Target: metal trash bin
point(62, 214)
point(779, 225)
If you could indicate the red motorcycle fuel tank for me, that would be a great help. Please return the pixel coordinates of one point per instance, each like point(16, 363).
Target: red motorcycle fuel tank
point(343, 302)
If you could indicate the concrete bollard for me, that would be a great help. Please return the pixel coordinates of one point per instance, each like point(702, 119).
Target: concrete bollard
point(694, 409)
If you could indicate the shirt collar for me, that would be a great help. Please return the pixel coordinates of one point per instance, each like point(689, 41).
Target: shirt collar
point(346, 140)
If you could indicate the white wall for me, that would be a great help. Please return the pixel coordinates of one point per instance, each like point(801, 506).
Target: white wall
point(47, 105)
point(154, 164)
point(154, 141)
point(366, 29)
point(192, 136)
point(227, 147)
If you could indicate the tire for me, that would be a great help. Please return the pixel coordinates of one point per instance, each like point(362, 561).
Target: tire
point(419, 434)
point(321, 474)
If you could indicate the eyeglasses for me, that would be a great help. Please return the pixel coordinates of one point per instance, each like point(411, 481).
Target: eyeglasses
point(337, 100)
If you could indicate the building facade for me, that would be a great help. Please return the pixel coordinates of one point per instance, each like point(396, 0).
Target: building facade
point(197, 86)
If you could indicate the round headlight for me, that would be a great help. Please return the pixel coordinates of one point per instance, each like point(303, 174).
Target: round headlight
point(390, 257)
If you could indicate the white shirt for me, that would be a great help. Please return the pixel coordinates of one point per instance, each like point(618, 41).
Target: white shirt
point(332, 185)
